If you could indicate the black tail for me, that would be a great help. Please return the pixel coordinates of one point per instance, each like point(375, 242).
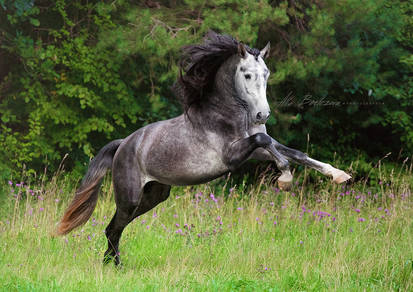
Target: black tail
point(84, 202)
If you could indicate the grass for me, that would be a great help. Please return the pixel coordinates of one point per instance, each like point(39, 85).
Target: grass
point(249, 238)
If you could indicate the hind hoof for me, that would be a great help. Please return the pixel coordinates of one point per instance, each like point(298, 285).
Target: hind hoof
point(340, 176)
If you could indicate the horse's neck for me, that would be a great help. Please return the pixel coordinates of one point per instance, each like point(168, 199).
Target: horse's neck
point(226, 118)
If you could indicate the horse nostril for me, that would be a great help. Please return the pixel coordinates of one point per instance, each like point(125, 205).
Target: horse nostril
point(259, 116)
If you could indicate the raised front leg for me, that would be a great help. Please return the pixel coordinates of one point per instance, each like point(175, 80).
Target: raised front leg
point(270, 153)
point(243, 149)
point(239, 151)
point(295, 156)
point(299, 157)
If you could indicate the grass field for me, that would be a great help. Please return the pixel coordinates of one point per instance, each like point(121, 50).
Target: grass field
point(217, 237)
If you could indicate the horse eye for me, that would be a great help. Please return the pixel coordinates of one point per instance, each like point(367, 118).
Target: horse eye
point(247, 76)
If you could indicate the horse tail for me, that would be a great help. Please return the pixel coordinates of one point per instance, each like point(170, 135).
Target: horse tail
point(84, 202)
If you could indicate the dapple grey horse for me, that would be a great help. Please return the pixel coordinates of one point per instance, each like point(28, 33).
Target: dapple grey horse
point(222, 87)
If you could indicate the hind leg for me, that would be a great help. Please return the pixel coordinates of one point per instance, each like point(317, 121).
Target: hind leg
point(151, 195)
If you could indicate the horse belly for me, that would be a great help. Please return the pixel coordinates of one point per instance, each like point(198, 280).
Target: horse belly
point(187, 169)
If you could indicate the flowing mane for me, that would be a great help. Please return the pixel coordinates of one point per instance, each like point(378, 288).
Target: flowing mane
point(199, 65)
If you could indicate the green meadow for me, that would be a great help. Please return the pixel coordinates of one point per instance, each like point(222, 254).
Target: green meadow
point(220, 236)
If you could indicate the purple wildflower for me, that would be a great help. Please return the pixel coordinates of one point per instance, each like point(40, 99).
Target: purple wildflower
point(361, 219)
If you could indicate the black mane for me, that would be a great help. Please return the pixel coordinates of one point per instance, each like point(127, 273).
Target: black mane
point(199, 65)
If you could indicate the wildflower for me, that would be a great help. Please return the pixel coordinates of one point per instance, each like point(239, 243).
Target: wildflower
point(41, 209)
point(10, 183)
point(177, 225)
point(272, 204)
point(147, 226)
point(154, 215)
point(275, 222)
point(333, 219)
point(143, 222)
point(89, 238)
point(57, 200)
point(179, 231)
point(239, 208)
point(357, 210)
point(361, 219)
point(213, 198)
point(175, 215)
point(301, 242)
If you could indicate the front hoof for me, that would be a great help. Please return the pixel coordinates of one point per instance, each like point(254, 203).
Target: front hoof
point(285, 181)
point(340, 176)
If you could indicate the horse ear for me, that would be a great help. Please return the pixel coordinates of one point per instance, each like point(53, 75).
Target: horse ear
point(242, 52)
point(265, 51)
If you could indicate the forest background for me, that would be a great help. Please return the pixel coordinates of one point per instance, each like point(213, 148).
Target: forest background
point(77, 74)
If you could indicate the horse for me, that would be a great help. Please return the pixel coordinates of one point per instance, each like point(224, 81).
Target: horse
point(222, 87)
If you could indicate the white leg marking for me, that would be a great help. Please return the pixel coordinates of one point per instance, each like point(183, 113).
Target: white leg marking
point(338, 175)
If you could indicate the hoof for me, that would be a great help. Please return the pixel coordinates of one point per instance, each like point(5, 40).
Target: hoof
point(284, 182)
point(340, 176)
point(109, 258)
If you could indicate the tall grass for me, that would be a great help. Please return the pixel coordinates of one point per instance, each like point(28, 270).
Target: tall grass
point(219, 237)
